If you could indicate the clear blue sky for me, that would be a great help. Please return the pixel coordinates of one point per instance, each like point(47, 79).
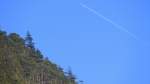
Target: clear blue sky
point(71, 35)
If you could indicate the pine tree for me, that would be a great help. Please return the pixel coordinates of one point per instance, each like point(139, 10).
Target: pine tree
point(39, 53)
point(29, 41)
point(71, 76)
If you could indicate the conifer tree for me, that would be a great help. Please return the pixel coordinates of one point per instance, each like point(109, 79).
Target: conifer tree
point(29, 41)
point(70, 75)
point(39, 53)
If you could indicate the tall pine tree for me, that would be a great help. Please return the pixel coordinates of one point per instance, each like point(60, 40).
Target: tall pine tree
point(70, 75)
point(29, 41)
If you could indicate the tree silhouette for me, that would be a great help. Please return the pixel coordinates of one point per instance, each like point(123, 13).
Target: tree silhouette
point(29, 41)
point(39, 53)
point(71, 77)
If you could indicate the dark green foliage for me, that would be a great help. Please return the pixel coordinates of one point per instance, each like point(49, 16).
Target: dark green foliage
point(39, 54)
point(2, 33)
point(29, 41)
point(21, 63)
point(16, 38)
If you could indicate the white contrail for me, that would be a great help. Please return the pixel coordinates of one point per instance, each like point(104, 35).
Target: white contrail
point(110, 21)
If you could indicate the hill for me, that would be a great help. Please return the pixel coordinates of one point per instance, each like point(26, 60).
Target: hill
point(22, 63)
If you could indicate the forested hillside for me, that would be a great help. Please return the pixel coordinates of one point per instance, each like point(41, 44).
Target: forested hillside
point(22, 63)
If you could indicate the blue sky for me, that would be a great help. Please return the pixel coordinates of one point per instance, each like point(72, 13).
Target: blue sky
point(71, 35)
